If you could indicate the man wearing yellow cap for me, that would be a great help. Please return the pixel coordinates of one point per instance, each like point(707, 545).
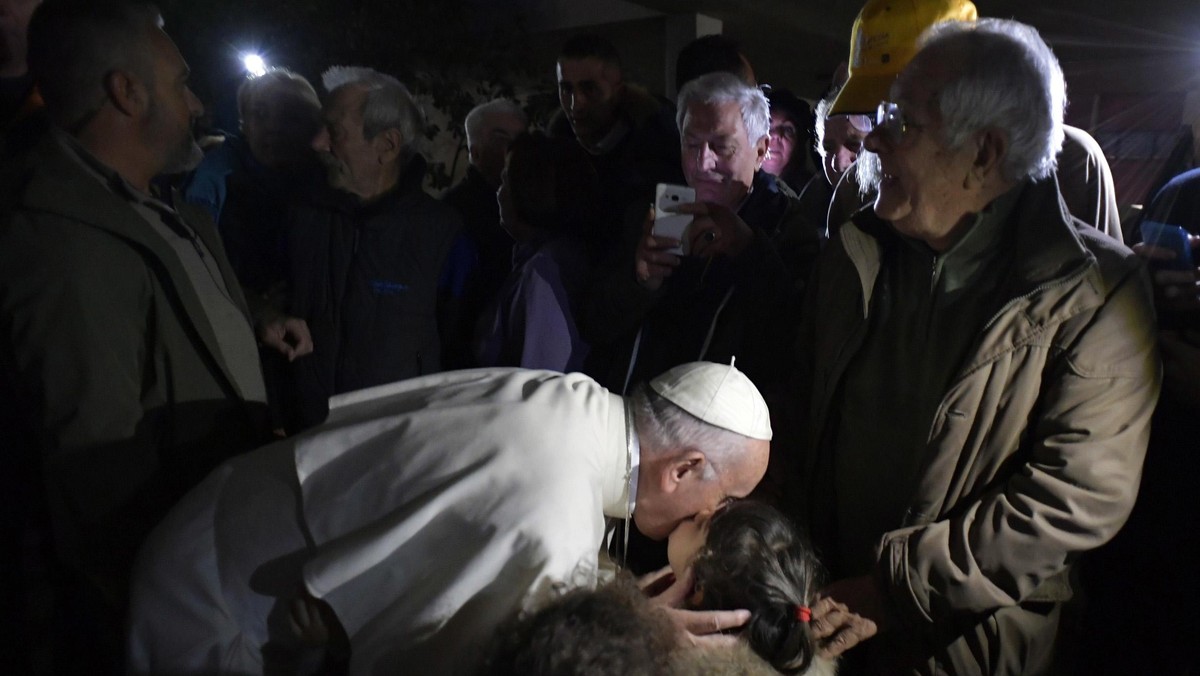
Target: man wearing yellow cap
point(883, 41)
point(423, 513)
point(978, 374)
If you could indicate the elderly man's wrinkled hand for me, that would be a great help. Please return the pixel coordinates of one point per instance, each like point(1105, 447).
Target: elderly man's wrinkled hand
point(696, 627)
point(716, 231)
point(653, 261)
point(848, 612)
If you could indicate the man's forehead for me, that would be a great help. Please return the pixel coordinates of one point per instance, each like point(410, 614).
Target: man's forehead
point(165, 54)
point(713, 119)
point(345, 100)
point(583, 70)
point(926, 74)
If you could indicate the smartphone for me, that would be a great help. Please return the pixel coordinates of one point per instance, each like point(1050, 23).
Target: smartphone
point(1170, 237)
point(668, 224)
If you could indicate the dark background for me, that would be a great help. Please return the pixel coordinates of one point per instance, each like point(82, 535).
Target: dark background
point(1133, 66)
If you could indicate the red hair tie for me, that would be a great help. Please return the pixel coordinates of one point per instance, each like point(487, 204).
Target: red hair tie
point(803, 614)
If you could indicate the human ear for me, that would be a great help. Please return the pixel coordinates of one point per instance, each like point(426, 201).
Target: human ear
point(388, 143)
point(126, 92)
point(687, 467)
point(991, 147)
point(760, 151)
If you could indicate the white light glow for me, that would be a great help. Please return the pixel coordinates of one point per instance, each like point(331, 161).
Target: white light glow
point(255, 65)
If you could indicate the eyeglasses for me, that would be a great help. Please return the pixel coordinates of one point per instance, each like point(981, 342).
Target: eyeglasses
point(890, 118)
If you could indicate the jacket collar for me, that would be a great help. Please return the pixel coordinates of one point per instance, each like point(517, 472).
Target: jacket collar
point(411, 177)
point(1047, 244)
point(766, 204)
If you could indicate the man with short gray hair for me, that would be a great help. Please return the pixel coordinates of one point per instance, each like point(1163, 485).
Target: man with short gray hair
point(489, 128)
point(978, 374)
point(376, 265)
point(733, 292)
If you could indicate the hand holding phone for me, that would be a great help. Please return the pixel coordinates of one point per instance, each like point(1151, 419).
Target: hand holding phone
point(668, 223)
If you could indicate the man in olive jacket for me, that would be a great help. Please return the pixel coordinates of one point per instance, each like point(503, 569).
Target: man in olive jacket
point(979, 371)
point(126, 353)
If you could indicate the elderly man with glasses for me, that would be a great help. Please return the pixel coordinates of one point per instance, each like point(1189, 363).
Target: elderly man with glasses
point(1003, 355)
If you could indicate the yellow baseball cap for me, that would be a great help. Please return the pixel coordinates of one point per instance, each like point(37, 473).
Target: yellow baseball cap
point(884, 41)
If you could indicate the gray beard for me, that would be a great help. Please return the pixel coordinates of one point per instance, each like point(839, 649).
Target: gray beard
point(186, 159)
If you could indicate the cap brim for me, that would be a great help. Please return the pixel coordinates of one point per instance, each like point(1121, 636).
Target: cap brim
point(862, 94)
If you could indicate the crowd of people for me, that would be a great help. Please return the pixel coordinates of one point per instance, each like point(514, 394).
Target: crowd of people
point(890, 403)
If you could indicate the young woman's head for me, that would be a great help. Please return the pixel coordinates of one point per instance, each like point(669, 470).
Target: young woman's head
point(748, 555)
point(547, 185)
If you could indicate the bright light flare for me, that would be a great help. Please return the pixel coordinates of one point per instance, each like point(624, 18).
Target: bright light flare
point(254, 64)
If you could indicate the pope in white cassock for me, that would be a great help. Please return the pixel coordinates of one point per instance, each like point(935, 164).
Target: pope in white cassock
point(424, 512)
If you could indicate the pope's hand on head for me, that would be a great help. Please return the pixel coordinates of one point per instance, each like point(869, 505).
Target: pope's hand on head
point(698, 627)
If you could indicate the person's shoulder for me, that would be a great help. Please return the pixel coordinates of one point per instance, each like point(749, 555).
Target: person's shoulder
point(639, 104)
point(1076, 141)
point(434, 213)
point(1188, 180)
point(49, 253)
point(648, 113)
point(1114, 259)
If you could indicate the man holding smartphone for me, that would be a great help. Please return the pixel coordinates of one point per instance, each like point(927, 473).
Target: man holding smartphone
point(736, 292)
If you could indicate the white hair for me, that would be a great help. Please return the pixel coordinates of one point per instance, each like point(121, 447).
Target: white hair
point(822, 114)
point(479, 115)
point(389, 104)
point(663, 426)
point(275, 80)
point(1005, 76)
point(715, 88)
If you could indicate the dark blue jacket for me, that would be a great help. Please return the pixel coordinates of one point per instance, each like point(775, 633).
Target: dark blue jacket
point(371, 280)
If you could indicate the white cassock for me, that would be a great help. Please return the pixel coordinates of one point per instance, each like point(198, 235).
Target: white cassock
point(424, 512)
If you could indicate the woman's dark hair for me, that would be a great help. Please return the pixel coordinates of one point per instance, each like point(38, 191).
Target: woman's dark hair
point(798, 111)
point(611, 630)
point(552, 183)
point(754, 558)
